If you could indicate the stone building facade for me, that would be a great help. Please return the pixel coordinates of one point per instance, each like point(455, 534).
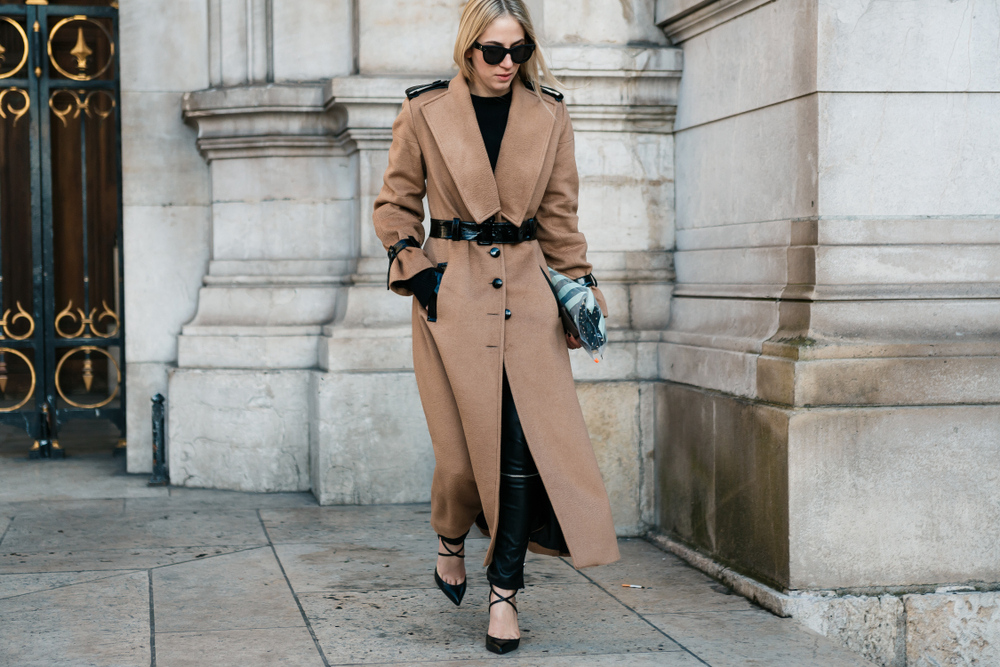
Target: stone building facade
point(793, 207)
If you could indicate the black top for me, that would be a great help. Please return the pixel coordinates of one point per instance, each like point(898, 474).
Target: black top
point(491, 114)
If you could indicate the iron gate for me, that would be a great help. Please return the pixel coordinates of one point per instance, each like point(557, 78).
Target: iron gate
point(62, 339)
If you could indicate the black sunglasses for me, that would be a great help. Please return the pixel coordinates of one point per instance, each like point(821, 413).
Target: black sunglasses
point(494, 55)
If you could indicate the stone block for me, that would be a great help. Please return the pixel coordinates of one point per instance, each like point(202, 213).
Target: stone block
point(612, 414)
point(921, 45)
point(244, 430)
point(734, 266)
point(903, 380)
point(779, 38)
point(751, 167)
point(942, 321)
point(629, 21)
point(649, 305)
point(953, 629)
point(281, 230)
point(869, 625)
point(160, 161)
point(248, 347)
point(893, 496)
point(303, 305)
point(305, 179)
point(164, 45)
point(409, 27)
point(871, 164)
point(722, 476)
point(144, 380)
point(312, 41)
point(731, 371)
point(368, 439)
point(626, 178)
point(166, 255)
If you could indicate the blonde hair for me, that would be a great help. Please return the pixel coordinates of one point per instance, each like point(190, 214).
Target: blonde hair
point(477, 16)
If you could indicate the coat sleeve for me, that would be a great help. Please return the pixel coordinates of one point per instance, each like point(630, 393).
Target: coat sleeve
point(563, 245)
point(399, 209)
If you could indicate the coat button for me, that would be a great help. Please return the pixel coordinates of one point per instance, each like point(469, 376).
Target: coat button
point(506, 314)
point(497, 283)
point(494, 252)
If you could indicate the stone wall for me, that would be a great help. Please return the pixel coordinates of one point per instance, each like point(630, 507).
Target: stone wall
point(166, 194)
point(831, 401)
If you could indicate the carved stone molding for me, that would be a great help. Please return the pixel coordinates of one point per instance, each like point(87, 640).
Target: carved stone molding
point(681, 20)
point(269, 120)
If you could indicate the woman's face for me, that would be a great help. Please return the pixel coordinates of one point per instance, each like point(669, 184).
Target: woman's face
point(495, 80)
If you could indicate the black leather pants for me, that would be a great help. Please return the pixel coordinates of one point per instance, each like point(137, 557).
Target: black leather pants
point(520, 493)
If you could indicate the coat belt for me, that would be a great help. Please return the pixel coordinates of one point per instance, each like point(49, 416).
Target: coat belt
point(486, 233)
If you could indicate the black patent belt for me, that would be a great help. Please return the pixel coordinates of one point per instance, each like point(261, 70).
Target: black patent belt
point(486, 233)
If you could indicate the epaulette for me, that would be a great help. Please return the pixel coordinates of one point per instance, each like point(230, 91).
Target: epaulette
point(553, 92)
point(545, 89)
point(423, 88)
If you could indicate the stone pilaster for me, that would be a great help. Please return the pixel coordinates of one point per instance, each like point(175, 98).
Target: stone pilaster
point(831, 357)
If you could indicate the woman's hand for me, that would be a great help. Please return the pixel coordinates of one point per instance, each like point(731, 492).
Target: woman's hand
point(573, 343)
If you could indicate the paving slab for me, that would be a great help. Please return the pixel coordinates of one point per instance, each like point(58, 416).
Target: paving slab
point(203, 499)
point(237, 648)
point(350, 523)
point(664, 659)
point(397, 564)
point(101, 623)
point(753, 639)
point(182, 528)
point(239, 591)
point(421, 624)
point(669, 584)
point(14, 562)
point(72, 478)
point(12, 585)
point(86, 507)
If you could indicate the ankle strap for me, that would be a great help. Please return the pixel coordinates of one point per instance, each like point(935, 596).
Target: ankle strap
point(501, 598)
point(454, 541)
point(445, 541)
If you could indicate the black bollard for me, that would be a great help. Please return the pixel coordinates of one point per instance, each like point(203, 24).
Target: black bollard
point(160, 476)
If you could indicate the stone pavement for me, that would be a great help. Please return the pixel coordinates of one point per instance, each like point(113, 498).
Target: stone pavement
point(97, 568)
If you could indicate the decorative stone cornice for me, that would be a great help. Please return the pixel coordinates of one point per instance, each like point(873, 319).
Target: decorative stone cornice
point(619, 89)
point(273, 120)
point(682, 19)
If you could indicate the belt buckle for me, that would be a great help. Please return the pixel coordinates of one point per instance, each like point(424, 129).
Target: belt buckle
point(487, 231)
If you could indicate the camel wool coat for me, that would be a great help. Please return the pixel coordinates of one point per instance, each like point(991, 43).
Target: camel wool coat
point(437, 149)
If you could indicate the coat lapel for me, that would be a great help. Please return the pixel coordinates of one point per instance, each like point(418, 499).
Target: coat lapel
point(522, 153)
point(452, 121)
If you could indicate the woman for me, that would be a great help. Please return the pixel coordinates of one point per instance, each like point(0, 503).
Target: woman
point(493, 152)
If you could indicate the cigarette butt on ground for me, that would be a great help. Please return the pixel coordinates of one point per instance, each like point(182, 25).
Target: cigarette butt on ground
point(630, 586)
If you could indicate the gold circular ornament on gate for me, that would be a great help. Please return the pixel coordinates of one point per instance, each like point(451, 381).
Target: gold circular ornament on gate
point(24, 56)
point(88, 348)
point(31, 390)
point(81, 51)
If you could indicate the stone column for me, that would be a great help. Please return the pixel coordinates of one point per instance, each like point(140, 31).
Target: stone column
point(369, 440)
point(284, 198)
point(832, 395)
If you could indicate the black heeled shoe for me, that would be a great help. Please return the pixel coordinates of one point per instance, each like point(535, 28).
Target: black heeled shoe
point(501, 646)
point(454, 592)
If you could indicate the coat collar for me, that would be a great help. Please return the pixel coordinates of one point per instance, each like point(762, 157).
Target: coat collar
point(452, 120)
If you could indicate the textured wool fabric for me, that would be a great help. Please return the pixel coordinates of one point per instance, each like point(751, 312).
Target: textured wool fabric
point(458, 360)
